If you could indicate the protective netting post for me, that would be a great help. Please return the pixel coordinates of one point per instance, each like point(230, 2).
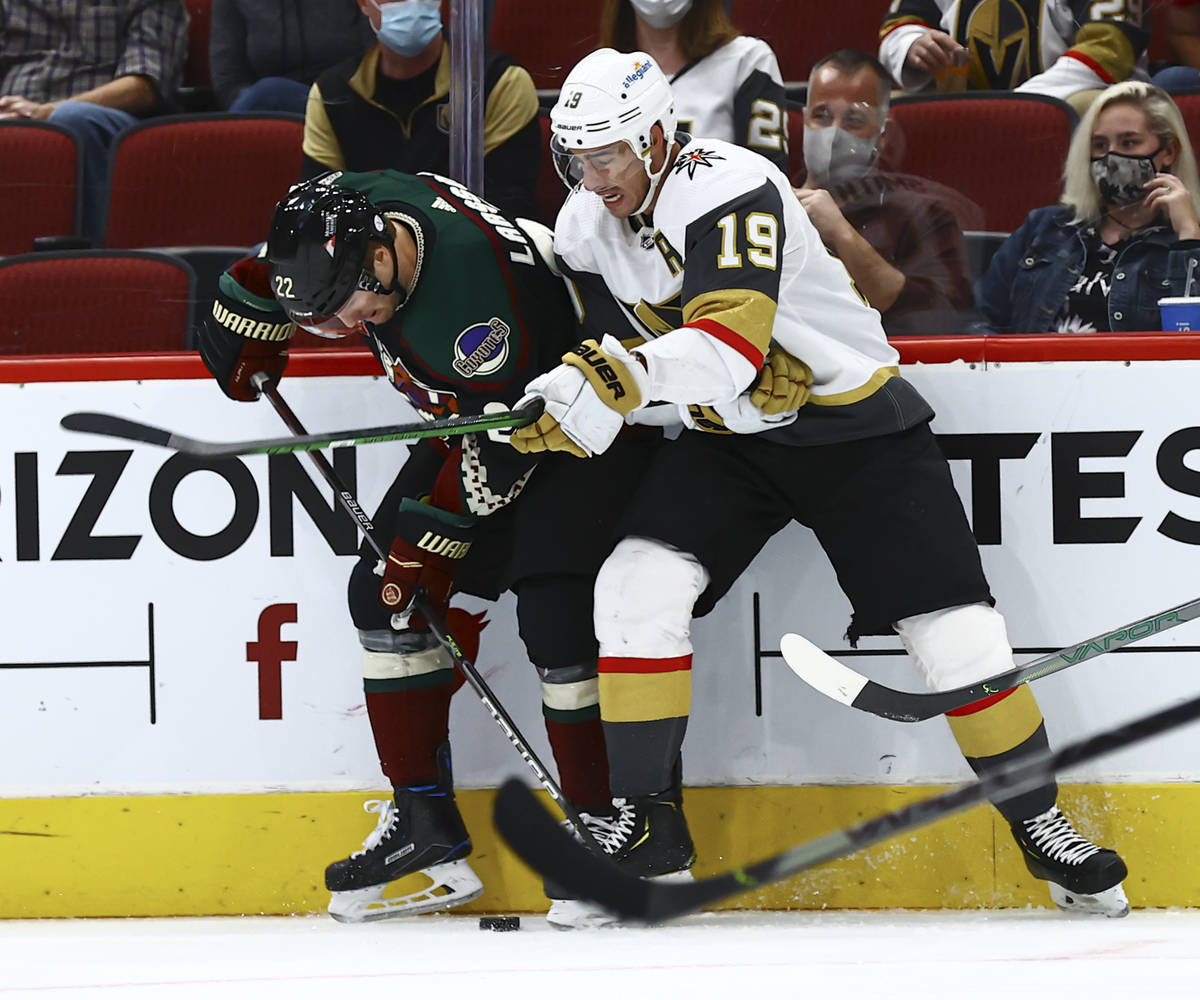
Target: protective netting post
point(466, 92)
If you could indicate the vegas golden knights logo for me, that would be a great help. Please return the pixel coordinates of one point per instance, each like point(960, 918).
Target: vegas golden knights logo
point(1001, 37)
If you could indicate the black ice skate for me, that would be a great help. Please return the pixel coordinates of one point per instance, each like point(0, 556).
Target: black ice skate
point(1083, 877)
point(421, 831)
point(647, 836)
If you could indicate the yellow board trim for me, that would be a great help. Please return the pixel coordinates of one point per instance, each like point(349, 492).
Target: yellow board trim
point(645, 697)
point(1000, 727)
point(195, 855)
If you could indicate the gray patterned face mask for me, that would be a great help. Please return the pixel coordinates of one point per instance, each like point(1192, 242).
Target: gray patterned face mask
point(1120, 177)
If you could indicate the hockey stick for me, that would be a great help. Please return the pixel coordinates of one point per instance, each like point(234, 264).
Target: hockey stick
point(437, 624)
point(539, 841)
point(131, 430)
point(837, 681)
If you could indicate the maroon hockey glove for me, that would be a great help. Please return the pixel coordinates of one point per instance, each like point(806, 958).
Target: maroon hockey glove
point(246, 331)
point(428, 545)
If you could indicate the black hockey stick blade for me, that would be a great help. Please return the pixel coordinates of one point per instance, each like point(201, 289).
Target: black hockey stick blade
point(839, 682)
point(538, 840)
point(131, 430)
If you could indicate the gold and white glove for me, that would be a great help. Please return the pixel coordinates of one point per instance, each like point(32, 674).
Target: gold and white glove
point(783, 384)
point(587, 399)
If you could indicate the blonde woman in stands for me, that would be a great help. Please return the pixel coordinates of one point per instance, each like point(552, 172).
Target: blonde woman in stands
point(1126, 233)
point(726, 85)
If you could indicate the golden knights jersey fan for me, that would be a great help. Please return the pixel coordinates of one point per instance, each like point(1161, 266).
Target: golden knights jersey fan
point(1053, 47)
point(462, 308)
point(703, 283)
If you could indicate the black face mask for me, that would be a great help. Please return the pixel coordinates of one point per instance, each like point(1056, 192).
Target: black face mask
point(1120, 177)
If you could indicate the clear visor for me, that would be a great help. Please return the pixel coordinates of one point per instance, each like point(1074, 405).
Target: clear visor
point(611, 164)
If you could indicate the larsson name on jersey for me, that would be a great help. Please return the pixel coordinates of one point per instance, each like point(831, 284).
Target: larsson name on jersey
point(491, 215)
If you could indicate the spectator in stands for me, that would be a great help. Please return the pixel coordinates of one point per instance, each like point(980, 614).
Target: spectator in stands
point(94, 69)
point(1070, 51)
point(391, 108)
point(897, 235)
point(726, 85)
point(1183, 32)
point(266, 57)
point(1127, 231)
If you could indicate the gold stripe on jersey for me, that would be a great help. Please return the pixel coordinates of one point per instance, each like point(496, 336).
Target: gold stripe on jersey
point(748, 313)
point(868, 388)
point(890, 24)
point(658, 317)
point(645, 697)
point(1108, 47)
point(999, 727)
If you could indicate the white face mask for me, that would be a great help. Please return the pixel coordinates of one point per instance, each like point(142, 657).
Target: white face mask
point(834, 156)
point(661, 13)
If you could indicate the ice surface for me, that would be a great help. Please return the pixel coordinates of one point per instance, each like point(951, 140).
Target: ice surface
point(845, 955)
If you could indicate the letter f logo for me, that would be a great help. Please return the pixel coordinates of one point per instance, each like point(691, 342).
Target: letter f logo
point(269, 652)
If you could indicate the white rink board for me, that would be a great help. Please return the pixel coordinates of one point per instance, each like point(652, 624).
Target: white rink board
point(70, 730)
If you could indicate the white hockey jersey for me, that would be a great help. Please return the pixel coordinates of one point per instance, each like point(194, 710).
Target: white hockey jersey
point(1052, 47)
point(735, 93)
point(730, 263)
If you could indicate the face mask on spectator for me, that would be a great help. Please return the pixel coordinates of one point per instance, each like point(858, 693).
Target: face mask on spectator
point(408, 27)
point(1120, 177)
point(834, 156)
point(662, 13)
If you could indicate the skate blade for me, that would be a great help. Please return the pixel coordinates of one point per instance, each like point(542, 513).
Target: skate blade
point(1108, 903)
point(579, 914)
point(451, 884)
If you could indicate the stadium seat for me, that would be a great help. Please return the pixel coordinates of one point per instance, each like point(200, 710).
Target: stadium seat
point(796, 169)
point(802, 31)
point(547, 37)
point(39, 184)
point(94, 302)
point(1003, 151)
point(201, 180)
point(980, 248)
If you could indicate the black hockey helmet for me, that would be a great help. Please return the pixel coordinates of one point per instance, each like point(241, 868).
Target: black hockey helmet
point(319, 238)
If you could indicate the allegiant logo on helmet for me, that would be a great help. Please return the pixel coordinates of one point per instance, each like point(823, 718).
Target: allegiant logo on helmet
point(640, 69)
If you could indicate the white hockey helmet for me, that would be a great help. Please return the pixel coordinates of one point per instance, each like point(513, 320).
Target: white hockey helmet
point(609, 97)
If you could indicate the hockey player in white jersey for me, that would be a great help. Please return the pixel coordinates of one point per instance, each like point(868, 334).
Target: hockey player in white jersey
point(710, 296)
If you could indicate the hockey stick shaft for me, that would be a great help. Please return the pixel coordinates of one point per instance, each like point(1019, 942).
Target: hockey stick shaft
point(843, 684)
point(533, 835)
point(436, 623)
point(131, 430)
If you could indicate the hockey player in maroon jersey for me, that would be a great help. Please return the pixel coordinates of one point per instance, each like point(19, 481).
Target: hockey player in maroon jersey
point(462, 309)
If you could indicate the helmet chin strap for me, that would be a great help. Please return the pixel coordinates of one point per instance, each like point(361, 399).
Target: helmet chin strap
point(655, 176)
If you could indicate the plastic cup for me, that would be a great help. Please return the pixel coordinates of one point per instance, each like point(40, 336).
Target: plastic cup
point(1180, 314)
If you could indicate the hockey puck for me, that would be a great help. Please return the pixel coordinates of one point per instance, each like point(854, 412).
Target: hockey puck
point(499, 923)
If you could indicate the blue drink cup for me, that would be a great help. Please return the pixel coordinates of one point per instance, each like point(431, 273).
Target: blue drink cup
point(1180, 314)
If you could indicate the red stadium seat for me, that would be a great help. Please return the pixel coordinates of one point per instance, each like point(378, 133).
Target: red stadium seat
point(1003, 151)
point(547, 37)
point(94, 301)
point(802, 31)
point(39, 184)
point(201, 180)
point(796, 168)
